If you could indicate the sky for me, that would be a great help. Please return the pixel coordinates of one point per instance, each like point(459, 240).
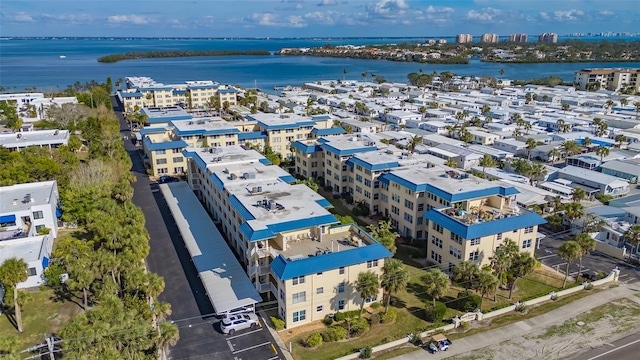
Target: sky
point(313, 18)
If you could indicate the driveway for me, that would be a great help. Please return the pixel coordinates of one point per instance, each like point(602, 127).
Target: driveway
point(593, 263)
point(192, 312)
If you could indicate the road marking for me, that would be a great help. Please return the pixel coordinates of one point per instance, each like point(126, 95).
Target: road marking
point(273, 358)
point(274, 348)
point(245, 334)
point(546, 256)
point(561, 264)
point(548, 251)
point(575, 272)
point(616, 349)
point(251, 348)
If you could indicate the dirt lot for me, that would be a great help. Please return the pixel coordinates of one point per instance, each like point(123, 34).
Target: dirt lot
point(594, 327)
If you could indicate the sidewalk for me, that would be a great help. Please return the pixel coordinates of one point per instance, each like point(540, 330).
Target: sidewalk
point(508, 332)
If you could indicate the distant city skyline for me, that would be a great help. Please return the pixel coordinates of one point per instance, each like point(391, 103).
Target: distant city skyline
point(309, 18)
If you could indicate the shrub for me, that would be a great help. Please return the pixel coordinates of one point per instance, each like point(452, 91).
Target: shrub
point(375, 318)
point(466, 302)
point(352, 314)
point(589, 286)
point(327, 321)
point(359, 326)
point(339, 316)
point(365, 352)
point(521, 307)
point(390, 316)
point(376, 306)
point(277, 323)
point(464, 325)
point(314, 340)
point(338, 332)
point(436, 314)
point(601, 275)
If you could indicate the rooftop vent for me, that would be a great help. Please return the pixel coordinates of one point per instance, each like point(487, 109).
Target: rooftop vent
point(233, 176)
point(19, 135)
point(27, 198)
point(56, 132)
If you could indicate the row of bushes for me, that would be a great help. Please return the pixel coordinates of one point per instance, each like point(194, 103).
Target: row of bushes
point(351, 328)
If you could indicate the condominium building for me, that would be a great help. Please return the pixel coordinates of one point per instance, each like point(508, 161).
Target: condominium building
point(42, 138)
point(29, 224)
point(519, 38)
point(489, 38)
point(464, 38)
point(289, 244)
point(611, 79)
point(144, 92)
point(403, 187)
point(548, 38)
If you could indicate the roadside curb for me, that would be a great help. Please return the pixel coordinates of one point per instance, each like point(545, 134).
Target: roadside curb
point(275, 335)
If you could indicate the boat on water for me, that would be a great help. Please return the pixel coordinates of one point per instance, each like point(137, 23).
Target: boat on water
point(63, 56)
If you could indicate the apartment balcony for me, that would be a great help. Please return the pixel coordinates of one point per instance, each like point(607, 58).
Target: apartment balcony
point(266, 287)
point(260, 269)
point(264, 252)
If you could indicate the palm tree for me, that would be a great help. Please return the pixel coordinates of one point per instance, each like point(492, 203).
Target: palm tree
point(609, 104)
point(488, 119)
point(344, 74)
point(464, 274)
point(587, 244)
point(602, 151)
point(531, 144)
point(573, 211)
point(570, 148)
point(601, 126)
point(527, 126)
point(632, 236)
point(569, 252)
point(485, 162)
point(168, 335)
point(522, 265)
point(502, 258)
point(436, 284)
point(415, 141)
point(12, 272)
point(451, 162)
point(554, 154)
point(565, 107)
point(516, 133)
point(578, 194)
point(624, 102)
point(394, 278)
point(367, 286)
point(486, 283)
point(459, 116)
point(516, 118)
point(620, 138)
point(537, 172)
point(486, 109)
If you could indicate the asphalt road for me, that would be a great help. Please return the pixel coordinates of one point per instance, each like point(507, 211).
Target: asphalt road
point(200, 336)
point(593, 263)
point(627, 348)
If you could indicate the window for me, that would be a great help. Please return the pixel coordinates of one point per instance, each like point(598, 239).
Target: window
point(419, 220)
point(372, 263)
point(419, 233)
point(176, 151)
point(160, 152)
point(408, 217)
point(341, 270)
point(298, 280)
point(436, 257)
point(367, 182)
point(455, 252)
point(341, 287)
point(437, 228)
point(37, 215)
point(437, 242)
point(526, 244)
point(358, 178)
point(395, 210)
point(528, 230)
point(178, 159)
point(320, 290)
point(161, 161)
point(395, 197)
point(370, 299)
point(499, 236)
point(340, 304)
point(319, 274)
point(281, 294)
point(474, 256)
point(475, 241)
point(39, 227)
point(300, 297)
point(408, 204)
point(299, 315)
point(420, 207)
point(319, 308)
point(32, 271)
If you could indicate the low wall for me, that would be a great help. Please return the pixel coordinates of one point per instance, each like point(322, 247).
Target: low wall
point(612, 251)
point(613, 276)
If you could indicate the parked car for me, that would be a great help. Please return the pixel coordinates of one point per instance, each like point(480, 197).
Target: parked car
point(439, 342)
point(167, 179)
point(231, 324)
point(241, 310)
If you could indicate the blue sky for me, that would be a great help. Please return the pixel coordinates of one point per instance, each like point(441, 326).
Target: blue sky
point(302, 18)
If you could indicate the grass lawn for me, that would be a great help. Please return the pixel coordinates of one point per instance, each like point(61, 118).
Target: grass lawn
point(397, 352)
point(40, 315)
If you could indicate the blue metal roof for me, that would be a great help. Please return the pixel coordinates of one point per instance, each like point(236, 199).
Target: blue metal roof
point(492, 227)
point(307, 149)
point(347, 152)
point(227, 91)
point(272, 229)
point(230, 130)
point(179, 92)
point(240, 209)
point(324, 203)
point(373, 167)
point(264, 161)
point(293, 125)
point(320, 117)
point(199, 161)
point(329, 131)
point(164, 145)
point(216, 180)
point(209, 86)
point(458, 196)
point(252, 135)
point(288, 179)
point(131, 95)
point(7, 218)
point(285, 269)
point(145, 131)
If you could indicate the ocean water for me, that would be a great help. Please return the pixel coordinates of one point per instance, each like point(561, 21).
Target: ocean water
point(28, 63)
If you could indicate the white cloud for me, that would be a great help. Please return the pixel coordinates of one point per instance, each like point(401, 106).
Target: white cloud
point(568, 15)
point(133, 19)
point(606, 13)
point(485, 15)
point(22, 17)
point(437, 15)
point(291, 5)
point(544, 15)
point(387, 8)
point(327, 3)
point(271, 19)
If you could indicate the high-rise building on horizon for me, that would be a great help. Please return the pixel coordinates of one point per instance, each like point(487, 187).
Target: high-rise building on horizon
point(489, 38)
point(464, 38)
point(548, 38)
point(519, 38)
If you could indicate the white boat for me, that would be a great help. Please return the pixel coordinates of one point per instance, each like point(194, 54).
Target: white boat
point(63, 57)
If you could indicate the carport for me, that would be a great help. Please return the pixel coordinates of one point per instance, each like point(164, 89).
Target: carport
point(225, 281)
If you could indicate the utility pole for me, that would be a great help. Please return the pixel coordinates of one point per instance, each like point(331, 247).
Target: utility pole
point(49, 345)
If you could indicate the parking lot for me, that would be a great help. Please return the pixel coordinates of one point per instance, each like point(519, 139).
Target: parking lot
point(592, 264)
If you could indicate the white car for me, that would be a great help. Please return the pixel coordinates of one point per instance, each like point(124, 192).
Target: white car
point(439, 343)
point(230, 324)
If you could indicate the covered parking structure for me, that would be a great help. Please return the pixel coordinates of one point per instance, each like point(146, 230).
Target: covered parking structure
point(225, 281)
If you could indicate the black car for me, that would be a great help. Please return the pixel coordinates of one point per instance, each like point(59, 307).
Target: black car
point(167, 179)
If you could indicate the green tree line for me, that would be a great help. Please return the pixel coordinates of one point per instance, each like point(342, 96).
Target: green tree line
point(176, 53)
